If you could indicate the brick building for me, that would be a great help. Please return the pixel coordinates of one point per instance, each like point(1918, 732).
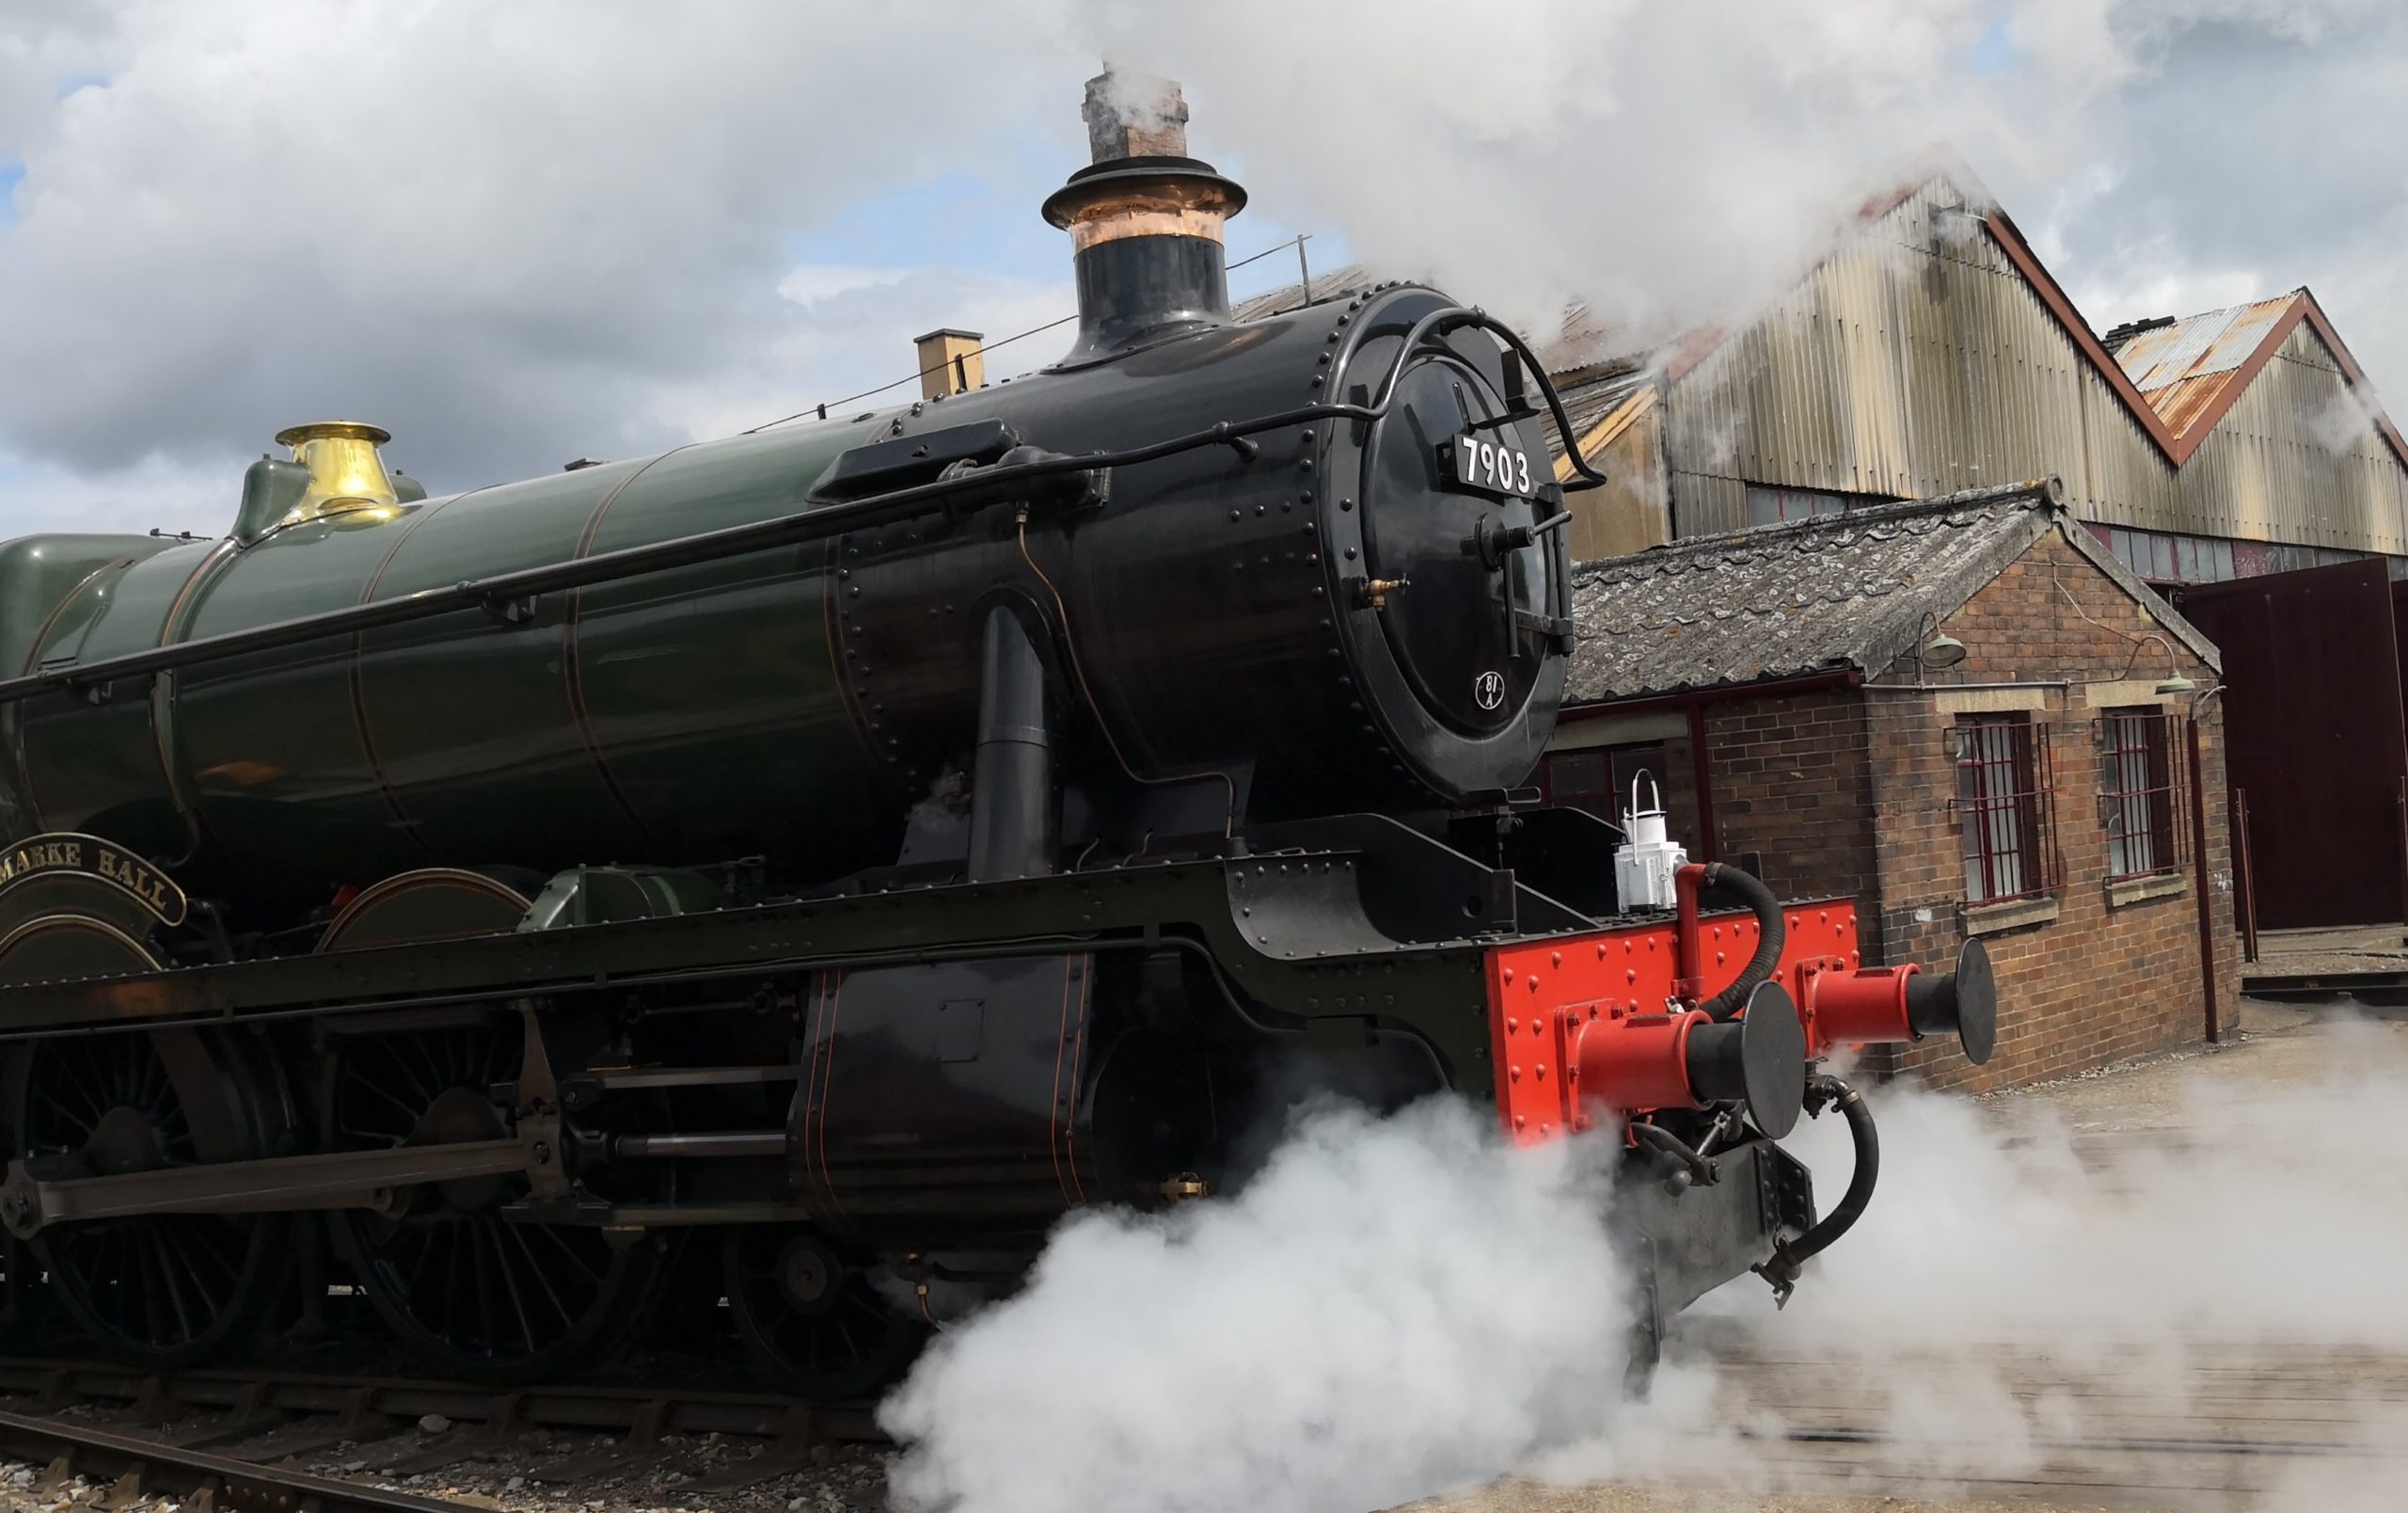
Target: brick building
point(1781, 685)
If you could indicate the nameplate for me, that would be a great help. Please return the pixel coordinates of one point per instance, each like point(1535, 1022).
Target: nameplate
point(103, 861)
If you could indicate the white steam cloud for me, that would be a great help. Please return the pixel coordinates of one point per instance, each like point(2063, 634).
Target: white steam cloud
point(1397, 1309)
point(1676, 165)
point(1390, 1307)
point(1666, 165)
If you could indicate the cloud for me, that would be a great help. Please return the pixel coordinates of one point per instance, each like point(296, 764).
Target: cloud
point(511, 235)
point(520, 234)
point(2252, 138)
point(1676, 164)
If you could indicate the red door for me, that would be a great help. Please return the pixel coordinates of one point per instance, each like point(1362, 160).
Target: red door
point(2314, 733)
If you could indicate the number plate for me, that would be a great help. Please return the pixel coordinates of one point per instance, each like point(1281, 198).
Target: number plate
point(1486, 467)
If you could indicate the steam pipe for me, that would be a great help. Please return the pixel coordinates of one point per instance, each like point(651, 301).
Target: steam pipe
point(1789, 1257)
point(1770, 937)
point(1011, 785)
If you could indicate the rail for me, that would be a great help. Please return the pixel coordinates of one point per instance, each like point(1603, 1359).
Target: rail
point(179, 1432)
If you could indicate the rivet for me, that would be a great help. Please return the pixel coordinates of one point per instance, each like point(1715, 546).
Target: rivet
point(1555, 958)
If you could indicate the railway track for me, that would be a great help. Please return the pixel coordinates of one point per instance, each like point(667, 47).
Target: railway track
point(245, 1438)
point(2218, 1430)
point(132, 1468)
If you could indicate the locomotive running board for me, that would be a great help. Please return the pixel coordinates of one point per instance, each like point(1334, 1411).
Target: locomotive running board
point(284, 1184)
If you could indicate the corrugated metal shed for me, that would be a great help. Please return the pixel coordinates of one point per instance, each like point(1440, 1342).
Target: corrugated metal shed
point(2298, 452)
point(1619, 422)
point(1616, 397)
point(1917, 359)
point(2185, 367)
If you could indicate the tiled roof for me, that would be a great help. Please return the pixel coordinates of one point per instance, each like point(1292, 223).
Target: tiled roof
point(1831, 593)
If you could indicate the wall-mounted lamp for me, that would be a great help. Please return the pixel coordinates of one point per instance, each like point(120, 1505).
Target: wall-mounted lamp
point(2175, 682)
point(1942, 650)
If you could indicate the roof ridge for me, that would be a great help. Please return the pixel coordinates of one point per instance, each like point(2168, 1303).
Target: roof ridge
point(1816, 531)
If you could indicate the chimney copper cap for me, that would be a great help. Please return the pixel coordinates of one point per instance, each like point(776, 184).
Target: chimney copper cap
point(1144, 196)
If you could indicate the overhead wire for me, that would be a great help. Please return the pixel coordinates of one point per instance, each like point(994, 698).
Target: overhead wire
point(820, 412)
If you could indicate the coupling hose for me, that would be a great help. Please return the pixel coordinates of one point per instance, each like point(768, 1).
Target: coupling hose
point(1770, 937)
point(1790, 1256)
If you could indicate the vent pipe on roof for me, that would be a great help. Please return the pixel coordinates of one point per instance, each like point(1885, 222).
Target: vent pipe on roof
point(1145, 221)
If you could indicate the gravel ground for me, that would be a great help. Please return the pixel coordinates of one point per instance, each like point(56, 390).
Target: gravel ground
point(842, 1479)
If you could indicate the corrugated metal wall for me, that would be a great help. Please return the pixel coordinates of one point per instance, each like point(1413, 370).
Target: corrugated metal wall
point(1627, 515)
point(2298, 459)
point(1917, 361)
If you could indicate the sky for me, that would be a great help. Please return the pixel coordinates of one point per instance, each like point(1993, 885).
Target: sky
point(518, 233)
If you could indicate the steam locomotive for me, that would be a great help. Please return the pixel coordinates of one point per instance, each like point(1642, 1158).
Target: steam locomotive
point(791, 872)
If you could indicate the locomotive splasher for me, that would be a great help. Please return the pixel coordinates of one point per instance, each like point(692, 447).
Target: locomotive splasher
point(836, 852)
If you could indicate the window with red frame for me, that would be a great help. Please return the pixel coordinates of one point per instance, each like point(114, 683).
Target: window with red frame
point(2003, 803)
point(2138, 777)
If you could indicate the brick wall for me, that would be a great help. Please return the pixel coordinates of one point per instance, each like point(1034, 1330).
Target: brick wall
point(1792, 781)
point(2103, 982)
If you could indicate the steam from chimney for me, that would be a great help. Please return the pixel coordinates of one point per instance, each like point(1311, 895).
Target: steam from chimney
point(1133, 114)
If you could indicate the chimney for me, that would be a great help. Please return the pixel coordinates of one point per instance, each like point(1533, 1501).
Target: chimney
point(950, 363)
point(1133, 114)
point(1145, 221)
